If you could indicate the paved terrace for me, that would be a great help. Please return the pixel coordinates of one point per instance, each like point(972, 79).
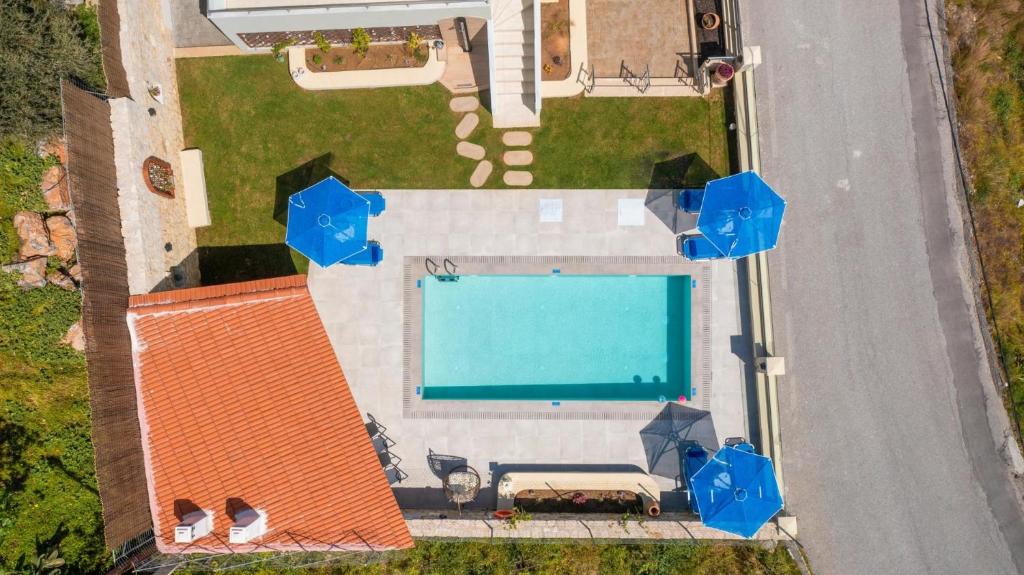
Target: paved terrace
point(362, 310)
point(639, 33)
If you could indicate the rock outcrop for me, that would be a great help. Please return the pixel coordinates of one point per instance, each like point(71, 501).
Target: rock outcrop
point(62, 236)
point(61, 279)
point(56, 147)
point(33, 272)
point(35, 241)
point(75, 337)
point(55, 189)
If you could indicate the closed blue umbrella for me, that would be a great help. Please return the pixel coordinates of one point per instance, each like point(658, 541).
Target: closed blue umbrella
point(741, 215)
point(736, 491)
point(327, 222)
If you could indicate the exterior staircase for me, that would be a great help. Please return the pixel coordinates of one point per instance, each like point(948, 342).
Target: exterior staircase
point(515, 96)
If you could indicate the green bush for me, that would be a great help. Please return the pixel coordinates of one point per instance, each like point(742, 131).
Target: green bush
point(41, 42)
point(412, 43)
point(33, 322)
point(20, 172)
point(317, 59)
point(360, 41)
point(278, 48)
point(321, 42)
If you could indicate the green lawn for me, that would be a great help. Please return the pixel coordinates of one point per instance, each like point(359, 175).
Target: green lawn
point(523, 557)
point(263, 138)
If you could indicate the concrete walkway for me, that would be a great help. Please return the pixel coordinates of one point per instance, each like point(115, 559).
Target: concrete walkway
point(568, 526)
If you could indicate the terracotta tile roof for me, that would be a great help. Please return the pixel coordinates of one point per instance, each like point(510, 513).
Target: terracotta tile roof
point(241, 397)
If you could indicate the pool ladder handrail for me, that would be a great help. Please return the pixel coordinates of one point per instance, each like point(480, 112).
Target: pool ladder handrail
point(449, 266)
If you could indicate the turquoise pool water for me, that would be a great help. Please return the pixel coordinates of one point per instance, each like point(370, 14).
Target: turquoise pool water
point(557, 337)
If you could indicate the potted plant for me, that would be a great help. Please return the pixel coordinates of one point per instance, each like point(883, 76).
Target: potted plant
point(710, 21)
point(723, 73)
point(155, 92)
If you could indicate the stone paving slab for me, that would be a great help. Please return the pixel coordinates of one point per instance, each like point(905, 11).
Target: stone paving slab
point(481, 173)
point(518, 157)
point(464, 104)
point(470, 150)
point(517, 178)
point(517, 138)
point(466, 126)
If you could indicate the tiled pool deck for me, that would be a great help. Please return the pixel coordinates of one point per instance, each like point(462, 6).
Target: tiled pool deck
point(362, 309)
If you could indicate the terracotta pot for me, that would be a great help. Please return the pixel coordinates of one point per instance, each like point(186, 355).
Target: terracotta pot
point(504, 513)
point(710, 21)
point(723, 73)
point(651, 507)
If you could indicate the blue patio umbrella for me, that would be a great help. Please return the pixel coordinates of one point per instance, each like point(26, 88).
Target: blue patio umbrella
point(327, 222)
point(741, 215)
point(736, 491)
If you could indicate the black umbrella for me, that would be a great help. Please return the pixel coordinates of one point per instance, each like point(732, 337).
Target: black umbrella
point(668, 435)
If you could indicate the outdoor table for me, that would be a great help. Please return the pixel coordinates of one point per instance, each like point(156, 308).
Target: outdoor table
point(462, 485)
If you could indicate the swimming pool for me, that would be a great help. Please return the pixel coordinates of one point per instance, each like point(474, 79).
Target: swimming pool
point(557, 337)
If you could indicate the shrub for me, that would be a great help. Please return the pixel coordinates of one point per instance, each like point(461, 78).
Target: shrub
point(318, 59)
point(43, 42)
point(339, 60)
point(281, 46)
point(412, 43)
point(360, 41)
point(321, 42)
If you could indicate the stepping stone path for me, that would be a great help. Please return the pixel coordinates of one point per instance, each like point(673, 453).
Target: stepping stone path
point(470, 150)
point(517, 138)
point(517, 178)
point(464, 104)
point(468, 105)
point(518, 158)
point(466, 126)
point(480, 174)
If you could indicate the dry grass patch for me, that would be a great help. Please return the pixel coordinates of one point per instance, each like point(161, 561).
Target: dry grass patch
point(987, 42)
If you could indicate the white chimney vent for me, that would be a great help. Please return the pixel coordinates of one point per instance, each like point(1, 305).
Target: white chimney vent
point(249, 524)
point(194, 525)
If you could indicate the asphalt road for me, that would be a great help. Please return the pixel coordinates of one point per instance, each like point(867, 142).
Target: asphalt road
point(890, 458)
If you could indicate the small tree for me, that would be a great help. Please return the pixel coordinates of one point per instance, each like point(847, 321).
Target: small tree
point(280, 47)
point(412, 44)
point(321, 42)
point(360, 41)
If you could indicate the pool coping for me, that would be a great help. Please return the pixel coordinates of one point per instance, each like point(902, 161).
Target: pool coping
point(414, 269)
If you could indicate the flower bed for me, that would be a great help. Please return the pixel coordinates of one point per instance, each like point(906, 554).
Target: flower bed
point(581, 501)
point(554, 19)
point(159, 176)
point(378, 57)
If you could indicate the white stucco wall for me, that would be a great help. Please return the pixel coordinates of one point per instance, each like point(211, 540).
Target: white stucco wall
point(150, 222)
point(341, 16)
